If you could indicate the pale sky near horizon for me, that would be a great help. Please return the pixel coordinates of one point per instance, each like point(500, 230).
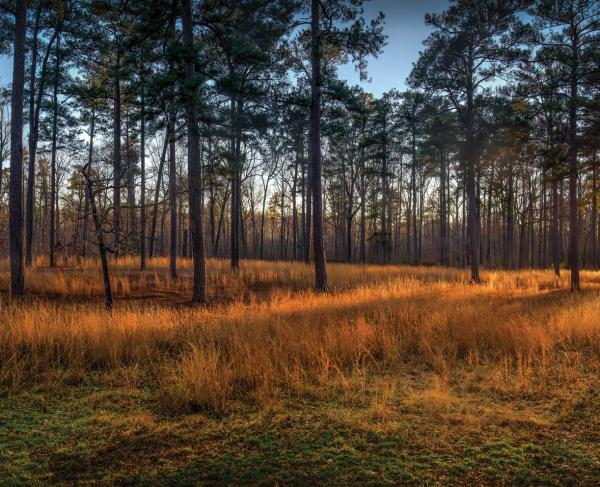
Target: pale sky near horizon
point(406, 31)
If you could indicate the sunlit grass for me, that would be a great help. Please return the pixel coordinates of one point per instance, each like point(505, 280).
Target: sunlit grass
point(399, 374)
point(268, 331)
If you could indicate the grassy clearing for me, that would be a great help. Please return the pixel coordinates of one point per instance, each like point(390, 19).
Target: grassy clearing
point(399, 375)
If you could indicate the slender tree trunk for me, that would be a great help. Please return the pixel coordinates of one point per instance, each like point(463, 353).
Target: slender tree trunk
point(363, 198)
point(443, 257)
point(594, 217)
point(384, 199)
point(86, 208)
point(473, 223)
point(17, 278)
point(573, 173)
point(194, 162)
point(220, 224)
point(262, 222)
point(172, 196)
point(32, 134)
point(159, 178)
point(53, 189)
point(510, 223)
point(544, 234)
point(142, 181)
point(282, 249)
point(413, 184)
point(315, 149)
point(235, 217)
point(303, 210)
point(295, 210)
point(555, 232)
point(488, 250)
point(108, 298)
point(309, 206)
point(117, 169)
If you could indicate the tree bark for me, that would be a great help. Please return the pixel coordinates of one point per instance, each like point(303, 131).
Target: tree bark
point(117, 169)
point(315, 149)
point(172, 196)
point(142, 181)
point(363, 197)
point(32, 134)
point(53, 192)
point(194, 162)
point(573, 170)
point(17, 279)
point(473, 223)
point(594, 216)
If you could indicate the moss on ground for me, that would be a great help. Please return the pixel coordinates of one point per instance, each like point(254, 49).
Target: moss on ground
point(105, 435)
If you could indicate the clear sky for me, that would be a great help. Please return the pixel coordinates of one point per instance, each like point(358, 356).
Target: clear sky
point(404, 26)
point(406, 31)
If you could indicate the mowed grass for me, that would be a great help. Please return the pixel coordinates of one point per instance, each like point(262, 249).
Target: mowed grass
point(399, 375)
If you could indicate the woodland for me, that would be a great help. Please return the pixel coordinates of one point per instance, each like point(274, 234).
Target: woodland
point(222, 263)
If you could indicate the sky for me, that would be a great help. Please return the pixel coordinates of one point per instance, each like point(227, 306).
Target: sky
point(406, 31)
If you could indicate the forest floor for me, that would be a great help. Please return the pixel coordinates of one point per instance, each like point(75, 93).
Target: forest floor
point(400, 375)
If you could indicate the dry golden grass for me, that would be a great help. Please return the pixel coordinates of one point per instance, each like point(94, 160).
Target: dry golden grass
point(518, 333)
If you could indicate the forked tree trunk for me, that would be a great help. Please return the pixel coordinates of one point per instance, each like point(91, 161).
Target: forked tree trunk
point(108, 298)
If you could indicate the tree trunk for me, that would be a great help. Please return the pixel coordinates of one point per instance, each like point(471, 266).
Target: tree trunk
point(86, 208)
point(473, 223)
point(142, 181)
point(17, 279)
point(194, 162)
point(32, 134)
point(117, 169)
point(309, 205)
point(108, 299)
point(555, 233)
point(315, 150)
point(172, 196)
point(53, 191)
point(443, 257)
point(573, 173)
point(363, 198)
point(159, 178)
point(413, 184)
point(594, 229)
point(132, 230)
point(294, 210)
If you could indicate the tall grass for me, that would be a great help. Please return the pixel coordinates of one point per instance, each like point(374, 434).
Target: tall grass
point(283, 336)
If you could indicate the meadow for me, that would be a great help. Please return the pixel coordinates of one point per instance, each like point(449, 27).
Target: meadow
point(400, 374)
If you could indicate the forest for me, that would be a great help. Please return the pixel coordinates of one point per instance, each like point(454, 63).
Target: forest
point(223, 261)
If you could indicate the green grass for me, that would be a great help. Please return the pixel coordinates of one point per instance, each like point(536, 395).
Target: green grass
point(104, 435)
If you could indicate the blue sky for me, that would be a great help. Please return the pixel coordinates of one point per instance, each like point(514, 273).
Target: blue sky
point(406, 31)
point(405, 28)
